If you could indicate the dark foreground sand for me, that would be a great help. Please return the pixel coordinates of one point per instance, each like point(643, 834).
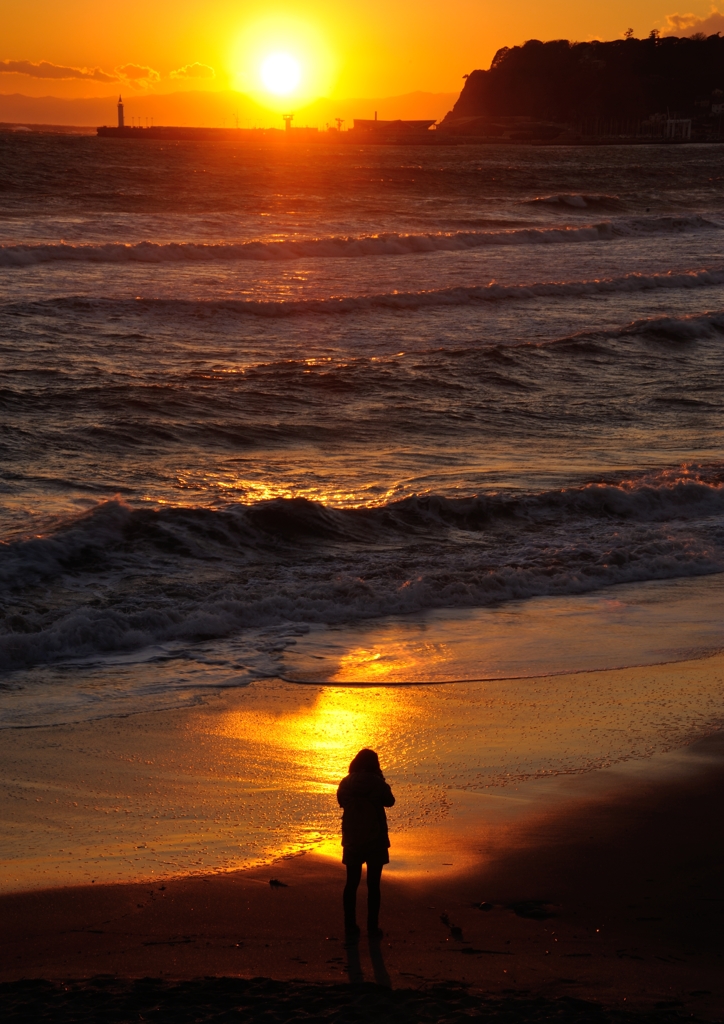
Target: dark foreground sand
point(261, 999)
point(616, 907)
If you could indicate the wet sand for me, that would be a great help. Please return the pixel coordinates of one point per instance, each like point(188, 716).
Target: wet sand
point(616, 899)
point(250, 775)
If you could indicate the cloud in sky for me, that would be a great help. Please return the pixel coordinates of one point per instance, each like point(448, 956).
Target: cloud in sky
point(138, 73)
point(133, 74)
point(688, 24)
point(195, 70)
point(44, 69)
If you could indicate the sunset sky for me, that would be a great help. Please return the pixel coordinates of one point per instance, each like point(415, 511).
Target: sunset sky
point(83, 48)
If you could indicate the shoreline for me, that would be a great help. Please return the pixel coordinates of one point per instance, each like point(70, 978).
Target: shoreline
point(250, 774)
point(617, 900)
point(597, 861)
point(617, 628)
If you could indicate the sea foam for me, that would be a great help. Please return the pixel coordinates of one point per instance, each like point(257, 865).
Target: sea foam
point(121, 578)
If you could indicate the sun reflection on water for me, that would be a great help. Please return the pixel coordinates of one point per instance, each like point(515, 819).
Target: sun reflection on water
point(391, 662)
point(301, 746)
point(222, 486)
point(316, 741)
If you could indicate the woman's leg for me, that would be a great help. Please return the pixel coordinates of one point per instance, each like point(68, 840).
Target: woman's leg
point(349, 897)
point(374, 874)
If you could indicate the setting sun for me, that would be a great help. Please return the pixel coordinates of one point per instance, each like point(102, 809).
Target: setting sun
point(281, 73)
point(281, 58)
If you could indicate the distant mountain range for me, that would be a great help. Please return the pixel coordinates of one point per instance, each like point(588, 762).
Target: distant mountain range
point(568, 82)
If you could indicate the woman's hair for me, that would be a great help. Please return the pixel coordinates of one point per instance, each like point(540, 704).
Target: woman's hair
point(366, 761)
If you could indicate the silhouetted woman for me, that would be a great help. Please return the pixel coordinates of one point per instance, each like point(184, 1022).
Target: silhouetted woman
point(363, 795)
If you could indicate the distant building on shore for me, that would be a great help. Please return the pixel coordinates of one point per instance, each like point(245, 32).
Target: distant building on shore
point(380, 129)
point(297, 133)
point(678, 128)
point(365, 131)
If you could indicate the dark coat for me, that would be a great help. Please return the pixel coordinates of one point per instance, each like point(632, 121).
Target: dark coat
point(363, 797)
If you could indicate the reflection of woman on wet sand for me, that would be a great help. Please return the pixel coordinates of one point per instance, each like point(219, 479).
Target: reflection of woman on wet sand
point(363, 795)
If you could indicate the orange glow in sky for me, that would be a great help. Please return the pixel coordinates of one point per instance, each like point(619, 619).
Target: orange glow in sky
point(292, 53)
point(280, 58)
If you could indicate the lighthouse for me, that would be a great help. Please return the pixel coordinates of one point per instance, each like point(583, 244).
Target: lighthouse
point(120, 112)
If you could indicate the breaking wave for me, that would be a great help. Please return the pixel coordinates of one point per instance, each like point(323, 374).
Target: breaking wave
point(192, 573)
point(577, 201)
point(658, 328)
point(387, 244)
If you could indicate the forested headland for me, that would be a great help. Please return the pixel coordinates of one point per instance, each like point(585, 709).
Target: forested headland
point(569, 83)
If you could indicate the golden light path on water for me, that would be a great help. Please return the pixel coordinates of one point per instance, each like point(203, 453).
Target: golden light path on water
point(250, 775)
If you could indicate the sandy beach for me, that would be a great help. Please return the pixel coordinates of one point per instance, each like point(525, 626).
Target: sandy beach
point(603, 886)
point(618, 904)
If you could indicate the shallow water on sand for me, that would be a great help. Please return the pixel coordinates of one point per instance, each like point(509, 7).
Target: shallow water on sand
point(633, 624)
point(251, 775)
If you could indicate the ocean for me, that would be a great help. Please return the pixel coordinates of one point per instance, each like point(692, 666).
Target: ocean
point(252, 395)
